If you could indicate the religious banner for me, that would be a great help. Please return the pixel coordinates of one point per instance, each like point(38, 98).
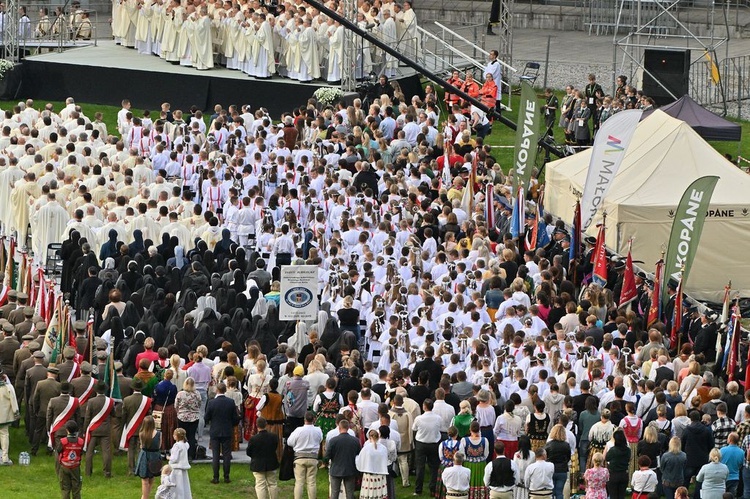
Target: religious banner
point(687, 227)
point(527, 136)
point(600, 258)
point(629, 291)
point(654, 311)
point(299, 293)
point(610, 145)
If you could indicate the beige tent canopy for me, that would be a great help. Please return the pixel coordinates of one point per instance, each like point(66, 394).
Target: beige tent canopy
point(665, 156)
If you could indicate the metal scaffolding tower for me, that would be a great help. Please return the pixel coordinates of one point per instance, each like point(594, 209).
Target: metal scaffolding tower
point(348, 75)
point(505, 27)
point(10, 31)
point(661, 28)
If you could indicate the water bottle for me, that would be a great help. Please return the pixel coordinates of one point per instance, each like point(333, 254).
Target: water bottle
point(24, 459)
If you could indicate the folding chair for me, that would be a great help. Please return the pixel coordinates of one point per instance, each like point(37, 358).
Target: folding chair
point(530, 72)
point(53, 265)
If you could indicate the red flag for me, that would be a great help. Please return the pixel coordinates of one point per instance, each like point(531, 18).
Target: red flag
point(489, 207)
point(734, 347)
point(600, 258)
point(677, 319)
point(653, 311)
point(629, 291)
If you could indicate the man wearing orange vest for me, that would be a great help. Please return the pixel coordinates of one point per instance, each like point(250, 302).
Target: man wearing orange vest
point(488, 92)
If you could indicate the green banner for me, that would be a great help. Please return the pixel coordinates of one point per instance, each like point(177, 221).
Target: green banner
point(687, 227)
point(527, 137)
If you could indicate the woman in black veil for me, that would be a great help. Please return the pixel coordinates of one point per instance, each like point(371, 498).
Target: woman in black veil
point(188, 300)
point(130, 317)
point(70, 251)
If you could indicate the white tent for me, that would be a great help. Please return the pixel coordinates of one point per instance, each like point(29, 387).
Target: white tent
point(665, 156)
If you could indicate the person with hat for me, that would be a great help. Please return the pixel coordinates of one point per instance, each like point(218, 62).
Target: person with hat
point(134, 408)
point(46, 390)
point(25, 326)
point(83, 387)
point(705, 340)
point(60, 410)
point(9, 413)
point(22, 354)
point(69, 370)
point(8, 347)
point(16, 316)
point(34, 371)
point(98, 417)
point(82, 342)
point(9, 307)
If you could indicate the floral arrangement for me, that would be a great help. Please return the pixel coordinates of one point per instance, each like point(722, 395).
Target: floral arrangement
point(328, 95)
point(5, 67)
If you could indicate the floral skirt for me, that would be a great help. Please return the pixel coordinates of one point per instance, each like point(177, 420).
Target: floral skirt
point(250, 417)
point(477, 489)
point(169, 424)
point(537, 443)
point(440, 487)
point(575, 471)
point(593, 449)
point(633, 459)
point(511, 447)
point(374, 487)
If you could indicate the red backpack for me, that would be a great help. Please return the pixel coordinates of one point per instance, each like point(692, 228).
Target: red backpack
point(72, 450)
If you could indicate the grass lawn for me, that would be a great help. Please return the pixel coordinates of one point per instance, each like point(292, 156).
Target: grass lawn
point(39, 479)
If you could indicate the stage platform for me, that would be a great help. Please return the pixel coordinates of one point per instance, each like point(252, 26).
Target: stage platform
point(108, 73)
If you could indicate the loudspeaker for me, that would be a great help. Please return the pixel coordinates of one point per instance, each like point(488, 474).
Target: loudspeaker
point(671, 68)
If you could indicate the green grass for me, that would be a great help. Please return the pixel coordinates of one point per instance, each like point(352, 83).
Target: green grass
point(40, 481)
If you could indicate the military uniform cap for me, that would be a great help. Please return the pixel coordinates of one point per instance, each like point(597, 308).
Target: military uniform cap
point(38, 354)
point(79, 325)
point(8, 327)
point(23, 296)
point(53, 370)
point(69, 352)
point(86, 368)
point(27, 337)
point(28, 312)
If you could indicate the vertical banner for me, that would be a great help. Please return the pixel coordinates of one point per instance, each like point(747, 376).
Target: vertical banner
point(600, 258)
point(299, 293)
point(654, 311)
point(527, 137)
point(687, 227)
point(629, 291)
point(610, 145)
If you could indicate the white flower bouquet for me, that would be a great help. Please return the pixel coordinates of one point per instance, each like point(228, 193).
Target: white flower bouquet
point(5, 67)
point(328, 95)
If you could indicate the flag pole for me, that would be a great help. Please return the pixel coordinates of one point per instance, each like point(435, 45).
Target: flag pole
point(679, 297)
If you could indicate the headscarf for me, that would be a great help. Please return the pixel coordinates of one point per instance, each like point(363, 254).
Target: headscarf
point(109, 249)
point(137, 245)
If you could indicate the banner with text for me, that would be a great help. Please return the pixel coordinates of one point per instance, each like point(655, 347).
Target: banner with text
point(299, 293)
point(527, 137)
point(687, 227)
point(610, 144)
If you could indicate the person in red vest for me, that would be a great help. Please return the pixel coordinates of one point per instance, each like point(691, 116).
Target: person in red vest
point(69, 452)
point(451, 98)
point(488, 92)
point(471, 87)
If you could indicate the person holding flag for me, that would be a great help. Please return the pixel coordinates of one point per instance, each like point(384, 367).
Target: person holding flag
point(97, 421)
point(83, 387)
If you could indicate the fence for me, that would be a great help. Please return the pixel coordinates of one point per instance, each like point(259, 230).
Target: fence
point(733, 90)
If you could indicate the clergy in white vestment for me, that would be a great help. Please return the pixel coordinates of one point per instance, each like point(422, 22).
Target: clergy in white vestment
point(293, 56)
point(410, 35)
point(51, 220)
point(183, 42)
point(335, 52)
point(389, 36)
point(201, 41)
point(364, 56)
point(265, 64)
point(129, 22)
point(8, 178)
point(25, 192)
point(143, 36)
point(308, 47)
point(171, 34)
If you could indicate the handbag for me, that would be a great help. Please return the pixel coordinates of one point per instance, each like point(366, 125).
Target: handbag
point(157, 415)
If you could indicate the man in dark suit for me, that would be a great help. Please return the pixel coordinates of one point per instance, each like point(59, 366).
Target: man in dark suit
point(429, 365)
point(263, 460)
point(342, 450)
point(222, 414)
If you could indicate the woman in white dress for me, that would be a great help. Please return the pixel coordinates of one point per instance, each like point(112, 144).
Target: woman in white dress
point(523, 458)
point(178, 460)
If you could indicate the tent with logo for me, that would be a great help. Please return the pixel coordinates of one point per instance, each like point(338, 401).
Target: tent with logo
point(710, 126)
point(665, 156)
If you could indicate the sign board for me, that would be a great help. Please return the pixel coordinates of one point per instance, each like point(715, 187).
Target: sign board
point(299, 293)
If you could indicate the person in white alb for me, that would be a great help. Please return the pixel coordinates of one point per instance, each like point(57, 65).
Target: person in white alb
point(305, 441)
point(426, 439)
point(538, 478)
point(456, 478)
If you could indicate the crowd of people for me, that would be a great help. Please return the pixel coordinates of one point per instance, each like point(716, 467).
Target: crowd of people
point(292, 39)
point(443, 345)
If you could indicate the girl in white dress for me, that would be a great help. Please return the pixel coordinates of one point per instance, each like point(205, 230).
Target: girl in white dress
point(178, 460)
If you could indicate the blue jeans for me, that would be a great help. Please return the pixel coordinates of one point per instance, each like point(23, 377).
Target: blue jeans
point(558, 481)
point(746, 482)
point(669, 492)
point(732, 486)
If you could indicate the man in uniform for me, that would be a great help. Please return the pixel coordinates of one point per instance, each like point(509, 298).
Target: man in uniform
point(33, 375)
point(83, 386)
point(69, 370)
point(25, 326)
point(97, 421)
point(60, 410)
point(126, 390)
point(46, 390)
point(23, 353)
point(9, 307)
point(8, 347)
point(16, 316)
point(82, 343)
point(134, 409)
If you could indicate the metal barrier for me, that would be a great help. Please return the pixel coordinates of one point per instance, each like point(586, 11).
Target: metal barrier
point(734, 88)
point(52, 28)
